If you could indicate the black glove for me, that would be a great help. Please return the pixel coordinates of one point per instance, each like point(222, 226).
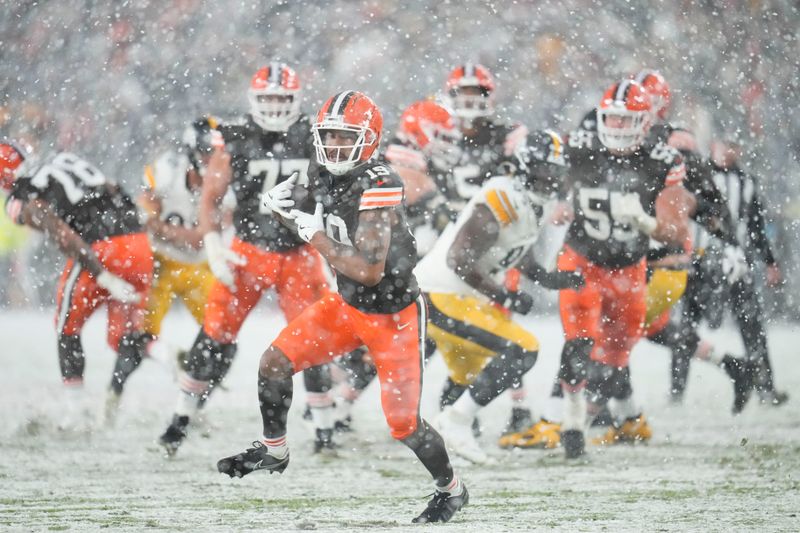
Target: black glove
point(518, 302)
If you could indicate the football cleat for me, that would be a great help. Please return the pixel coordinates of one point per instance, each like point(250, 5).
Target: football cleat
point(252, 459)
point(323, 443)
point(442, 507)
point(573, 442)
point(175, 434)
point(774, 397)
point(634, 429)
point(456, 430)
point(741, 376)
point(520, 420)
point(541, 435)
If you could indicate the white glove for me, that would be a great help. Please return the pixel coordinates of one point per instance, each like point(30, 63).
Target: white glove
point(627, 209)
point(308, 224)
point(118, 288)
point(734, 263)
point(219, 256)
point(279, 198)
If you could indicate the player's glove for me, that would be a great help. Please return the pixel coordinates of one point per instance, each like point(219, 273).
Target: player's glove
point(279, 198)
point(118, 288)
point(734, 263)
point(518, 302)
point(308, 224)
point(219, 256)
point(627, 209)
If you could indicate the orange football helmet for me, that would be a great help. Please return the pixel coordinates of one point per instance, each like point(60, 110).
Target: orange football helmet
point(11, 157)
point(429, 127)
point(658, 88)
point(624, 116)
point(351, 116)
point(470, 91)
point(274, 97)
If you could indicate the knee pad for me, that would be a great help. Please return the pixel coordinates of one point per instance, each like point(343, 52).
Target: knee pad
point(317, 379)
point(574, 360)
point(209, 359)
point(621, 384)
point(599, 382)
point(70, 356)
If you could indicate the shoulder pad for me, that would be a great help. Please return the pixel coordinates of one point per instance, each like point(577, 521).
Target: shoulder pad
point(497, 194)
point(165, 170)
point(589, 121)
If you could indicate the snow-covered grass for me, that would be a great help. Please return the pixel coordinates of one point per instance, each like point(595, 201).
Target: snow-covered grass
point(705, 470)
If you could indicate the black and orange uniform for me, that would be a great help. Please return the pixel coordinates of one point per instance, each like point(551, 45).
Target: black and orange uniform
point(105, 217)
point(481, 157)
point(610, 309)
point(275, 256)
point(388, 318)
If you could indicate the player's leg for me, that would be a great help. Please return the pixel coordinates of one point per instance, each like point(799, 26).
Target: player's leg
point(580, 312)
point(129, 257)
point(630, 425)
point(399, 358)
point(77, 298)
point(357, 371)
point(313, 338)
point(159, 301)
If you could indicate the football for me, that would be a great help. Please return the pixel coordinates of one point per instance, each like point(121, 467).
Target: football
point(300, 194)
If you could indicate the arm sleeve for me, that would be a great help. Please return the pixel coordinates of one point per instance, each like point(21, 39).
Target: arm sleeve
point(757, 229)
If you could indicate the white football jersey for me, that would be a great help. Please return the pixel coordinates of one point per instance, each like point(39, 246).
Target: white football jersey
point(166, 177)
point(519, 214)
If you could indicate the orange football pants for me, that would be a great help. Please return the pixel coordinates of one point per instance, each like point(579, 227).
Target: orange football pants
point(79, 295)
point(610, 308)
point(396, 342)
point(298, 277)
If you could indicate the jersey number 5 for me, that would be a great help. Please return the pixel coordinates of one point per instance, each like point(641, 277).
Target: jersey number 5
point(599, 223)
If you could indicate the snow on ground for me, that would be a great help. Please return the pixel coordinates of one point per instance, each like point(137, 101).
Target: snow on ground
point(705, 470)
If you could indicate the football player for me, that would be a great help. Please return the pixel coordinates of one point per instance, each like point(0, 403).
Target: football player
point(624, 194)
point(96, 225)
point(170, 202)
point(425, 148)
point(487, 142)
point(354, 216)
point(265, 147)
point(471, 308)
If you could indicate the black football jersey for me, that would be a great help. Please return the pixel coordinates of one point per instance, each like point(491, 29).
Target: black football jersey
point(596, 178)
point(371, 186)
point(80, 194)
point(482, 156)
point(260, 160)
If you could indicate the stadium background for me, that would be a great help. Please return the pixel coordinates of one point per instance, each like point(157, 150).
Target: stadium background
point(116, 82)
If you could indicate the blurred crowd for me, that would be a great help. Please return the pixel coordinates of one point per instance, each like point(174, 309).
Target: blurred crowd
point(116, 81)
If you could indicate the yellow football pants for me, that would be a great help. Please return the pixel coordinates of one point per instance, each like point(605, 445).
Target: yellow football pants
point(468, 332)
point(189, 282)
point(664, 289)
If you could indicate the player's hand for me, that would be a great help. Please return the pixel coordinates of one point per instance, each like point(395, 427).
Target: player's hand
point(734, 263)
point(627, 209)
point(279, 198)
point(118, 288)
point(219, 256)
point(308, 224)
point(518, 302)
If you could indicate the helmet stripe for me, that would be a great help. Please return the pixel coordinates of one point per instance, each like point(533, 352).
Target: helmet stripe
point(274, 76)
point(340, 103)
point(642, 75)
point(621, 93)
point(469, 70)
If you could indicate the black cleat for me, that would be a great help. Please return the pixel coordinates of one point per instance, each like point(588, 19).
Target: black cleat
point(323, 443)
point(774, 398)
point(252, 459)
point(175, 434)
point(741, 375)
point(343, 425)
point(573, 442)
point(442, 507)
point(520, 420)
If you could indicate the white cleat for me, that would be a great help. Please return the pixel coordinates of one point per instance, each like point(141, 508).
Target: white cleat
point(456, 430)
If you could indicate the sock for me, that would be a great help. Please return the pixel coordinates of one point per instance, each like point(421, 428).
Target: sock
point(321, 405)
point(625, 409)
point(574, 411)
point(705, 352)
point(275, 398)
point(428, 446)
point(554, 409)
point(519, 396)
point(276, 446)
point(188, 404)
point(455, 487)
point(466, 406)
